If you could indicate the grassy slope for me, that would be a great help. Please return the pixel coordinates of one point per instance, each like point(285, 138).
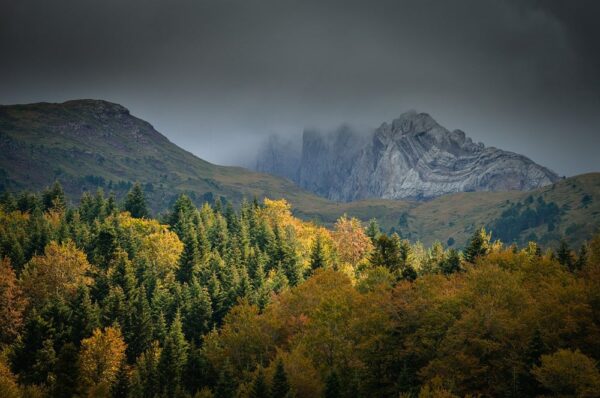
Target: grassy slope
point(42, 142)
point(458, 215)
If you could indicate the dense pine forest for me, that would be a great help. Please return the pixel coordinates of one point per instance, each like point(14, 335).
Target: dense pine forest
point(102, 300)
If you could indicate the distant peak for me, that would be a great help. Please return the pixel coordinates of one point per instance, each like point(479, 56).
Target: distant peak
point(100, 106)
point(412, 121)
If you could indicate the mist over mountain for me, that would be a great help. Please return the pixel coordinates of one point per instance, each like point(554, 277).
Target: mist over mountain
point(413, 157)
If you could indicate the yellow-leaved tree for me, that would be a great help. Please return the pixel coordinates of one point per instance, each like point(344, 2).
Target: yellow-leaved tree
point(56, 274)
point(100, 359)
point(156, 245)
point(351, 242)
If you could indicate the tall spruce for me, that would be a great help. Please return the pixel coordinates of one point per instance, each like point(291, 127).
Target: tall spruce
point(135, 203)
point(173, 358)
point(280, 386)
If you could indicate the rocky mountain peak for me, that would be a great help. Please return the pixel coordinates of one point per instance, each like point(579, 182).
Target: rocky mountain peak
point(412, 157)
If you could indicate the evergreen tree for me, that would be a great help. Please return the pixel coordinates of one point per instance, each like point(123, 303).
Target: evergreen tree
point(189, 259)
point(332, 385)
point(173, 358)
point(280, 385)
point(122, 384)
point(373, 230)
point(451, 263)
point(85, 315)
point(317, 255)
point(182, 213)
point(197, 312)
point(478, 245)
point(66, 372)
point(259, 386)
point(54, 197)
point(135, 202)
point(226, 385)
point(564, 255)
point(581, 257)
point(137, 330)
point(386, 254)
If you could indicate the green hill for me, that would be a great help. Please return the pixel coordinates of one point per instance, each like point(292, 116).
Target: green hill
point(90, 144)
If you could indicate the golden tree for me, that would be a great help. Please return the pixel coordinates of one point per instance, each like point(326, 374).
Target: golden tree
point(58, 273)
point(101, 357)
point(12, 303)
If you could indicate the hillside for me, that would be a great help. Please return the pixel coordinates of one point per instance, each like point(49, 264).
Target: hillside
point(89, 144)
point(571, 209)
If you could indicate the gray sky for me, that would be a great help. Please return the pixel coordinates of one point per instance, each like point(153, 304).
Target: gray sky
point(217, 76)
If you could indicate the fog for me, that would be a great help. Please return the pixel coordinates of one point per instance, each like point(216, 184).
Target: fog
point(218, 77)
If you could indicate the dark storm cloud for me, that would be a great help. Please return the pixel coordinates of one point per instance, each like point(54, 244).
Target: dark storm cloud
point(216, 76)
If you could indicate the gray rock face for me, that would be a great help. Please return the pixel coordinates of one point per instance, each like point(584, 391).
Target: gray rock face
point(411, 158)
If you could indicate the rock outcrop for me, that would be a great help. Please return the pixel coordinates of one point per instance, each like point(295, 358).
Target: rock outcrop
point(411, 158)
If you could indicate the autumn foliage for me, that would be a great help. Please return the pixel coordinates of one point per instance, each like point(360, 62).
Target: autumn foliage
point(214, 301)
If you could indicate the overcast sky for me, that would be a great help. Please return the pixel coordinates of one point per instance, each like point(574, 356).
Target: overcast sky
point(217, 76)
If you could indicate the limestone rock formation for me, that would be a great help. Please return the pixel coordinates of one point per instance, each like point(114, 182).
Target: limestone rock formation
point(411, 158)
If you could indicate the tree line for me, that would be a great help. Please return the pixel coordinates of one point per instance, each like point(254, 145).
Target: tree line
point(102, 300)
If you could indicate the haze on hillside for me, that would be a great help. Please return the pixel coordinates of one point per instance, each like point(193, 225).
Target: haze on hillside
point(217, 77)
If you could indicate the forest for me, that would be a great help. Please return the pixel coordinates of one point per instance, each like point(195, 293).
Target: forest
point(103, 300)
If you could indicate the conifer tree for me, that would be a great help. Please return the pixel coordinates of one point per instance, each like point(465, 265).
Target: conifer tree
point(226, 385)
point(581, 257)
point(135, 203)
point(280, 386)
point(373, 230)
point(259, 386)
point(478, 245)
point(189, 259)
point(451, 263)
point(564, 255)
point(173, 358)
point(85, 315)
point(138, 328)
point(54, 197)
point(317, 255)
point(332, 385)
point(197, 312)
point(66, 372)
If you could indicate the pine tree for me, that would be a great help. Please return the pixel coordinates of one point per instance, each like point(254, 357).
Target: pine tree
point(332, 385)
point(478, 245)
point(564, 255)
point(138, 328)
point(317, 255)
point(54, 197)
point(197, 312)
point(280, 385)
point(581, 258)
point(451, 263)
point(122, 385)
point(182, 213)
point(173, 358)
point(135, 203)
point(259, 387)
point(85, 315)
point(66, 372)
point(373, 230)
point(189, 259)
point(226, 386)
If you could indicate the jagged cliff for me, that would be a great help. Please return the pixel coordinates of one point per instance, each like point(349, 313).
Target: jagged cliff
point(411, 158)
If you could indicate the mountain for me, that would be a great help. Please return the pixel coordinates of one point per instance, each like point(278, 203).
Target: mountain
point(411, 158)
point(90, 144)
